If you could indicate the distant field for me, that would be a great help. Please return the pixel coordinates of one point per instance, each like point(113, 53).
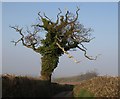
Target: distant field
point(79, 86)
point(76, 79)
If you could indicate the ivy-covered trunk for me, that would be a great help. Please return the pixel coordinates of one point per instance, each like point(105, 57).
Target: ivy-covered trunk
point(49, 63)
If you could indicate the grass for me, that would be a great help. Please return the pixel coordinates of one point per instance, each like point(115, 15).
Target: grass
point(85, 93)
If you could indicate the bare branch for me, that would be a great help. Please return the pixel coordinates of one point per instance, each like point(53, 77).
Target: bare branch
point(84, 39)
point(37, 25)
point(58, 16)
point(66, 16)
point(40, 15)
point(32, 46)
point(76, 16)
point(15, 42)
point(59, 13)
point(92, 38)
point(69, 56)
point(83, 46)
point(76, 30)
point(20, 31)
point(64, 23)
point(77, 13)
point(47, 18)
point(85, 54)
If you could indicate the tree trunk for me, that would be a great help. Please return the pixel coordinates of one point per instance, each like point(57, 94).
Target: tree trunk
point(49, 63)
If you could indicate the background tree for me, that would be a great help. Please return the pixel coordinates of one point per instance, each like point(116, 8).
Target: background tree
point(60, 36)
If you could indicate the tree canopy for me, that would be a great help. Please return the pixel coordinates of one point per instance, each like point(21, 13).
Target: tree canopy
point(64, 34)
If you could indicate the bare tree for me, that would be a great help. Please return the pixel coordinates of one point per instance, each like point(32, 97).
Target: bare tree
point(62, 35)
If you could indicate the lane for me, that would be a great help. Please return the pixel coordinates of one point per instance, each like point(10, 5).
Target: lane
point(64, 94)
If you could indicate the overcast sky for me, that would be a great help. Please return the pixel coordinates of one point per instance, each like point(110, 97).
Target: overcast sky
point(102, 17)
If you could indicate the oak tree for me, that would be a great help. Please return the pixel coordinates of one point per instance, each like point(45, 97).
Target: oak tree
point(64, 34)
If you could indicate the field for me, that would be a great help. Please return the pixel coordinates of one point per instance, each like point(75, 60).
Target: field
point(90, 86)
point(76, 79)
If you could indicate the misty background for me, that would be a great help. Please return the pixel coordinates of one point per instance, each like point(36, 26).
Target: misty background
point(102, 17)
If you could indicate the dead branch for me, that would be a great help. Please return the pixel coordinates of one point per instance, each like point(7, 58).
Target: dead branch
point(69, 56)
point(66, 16)
point(38, 25)
point(32, 45)
point(57, 21)
point(85, 53)
point(83, 46)
point(20, 31)
point(40, 15)
point(59, 13)
point(47, 17)
point(15, 42)
point(76, 17)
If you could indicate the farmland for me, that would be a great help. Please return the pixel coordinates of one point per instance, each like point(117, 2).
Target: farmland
point(91, 86)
